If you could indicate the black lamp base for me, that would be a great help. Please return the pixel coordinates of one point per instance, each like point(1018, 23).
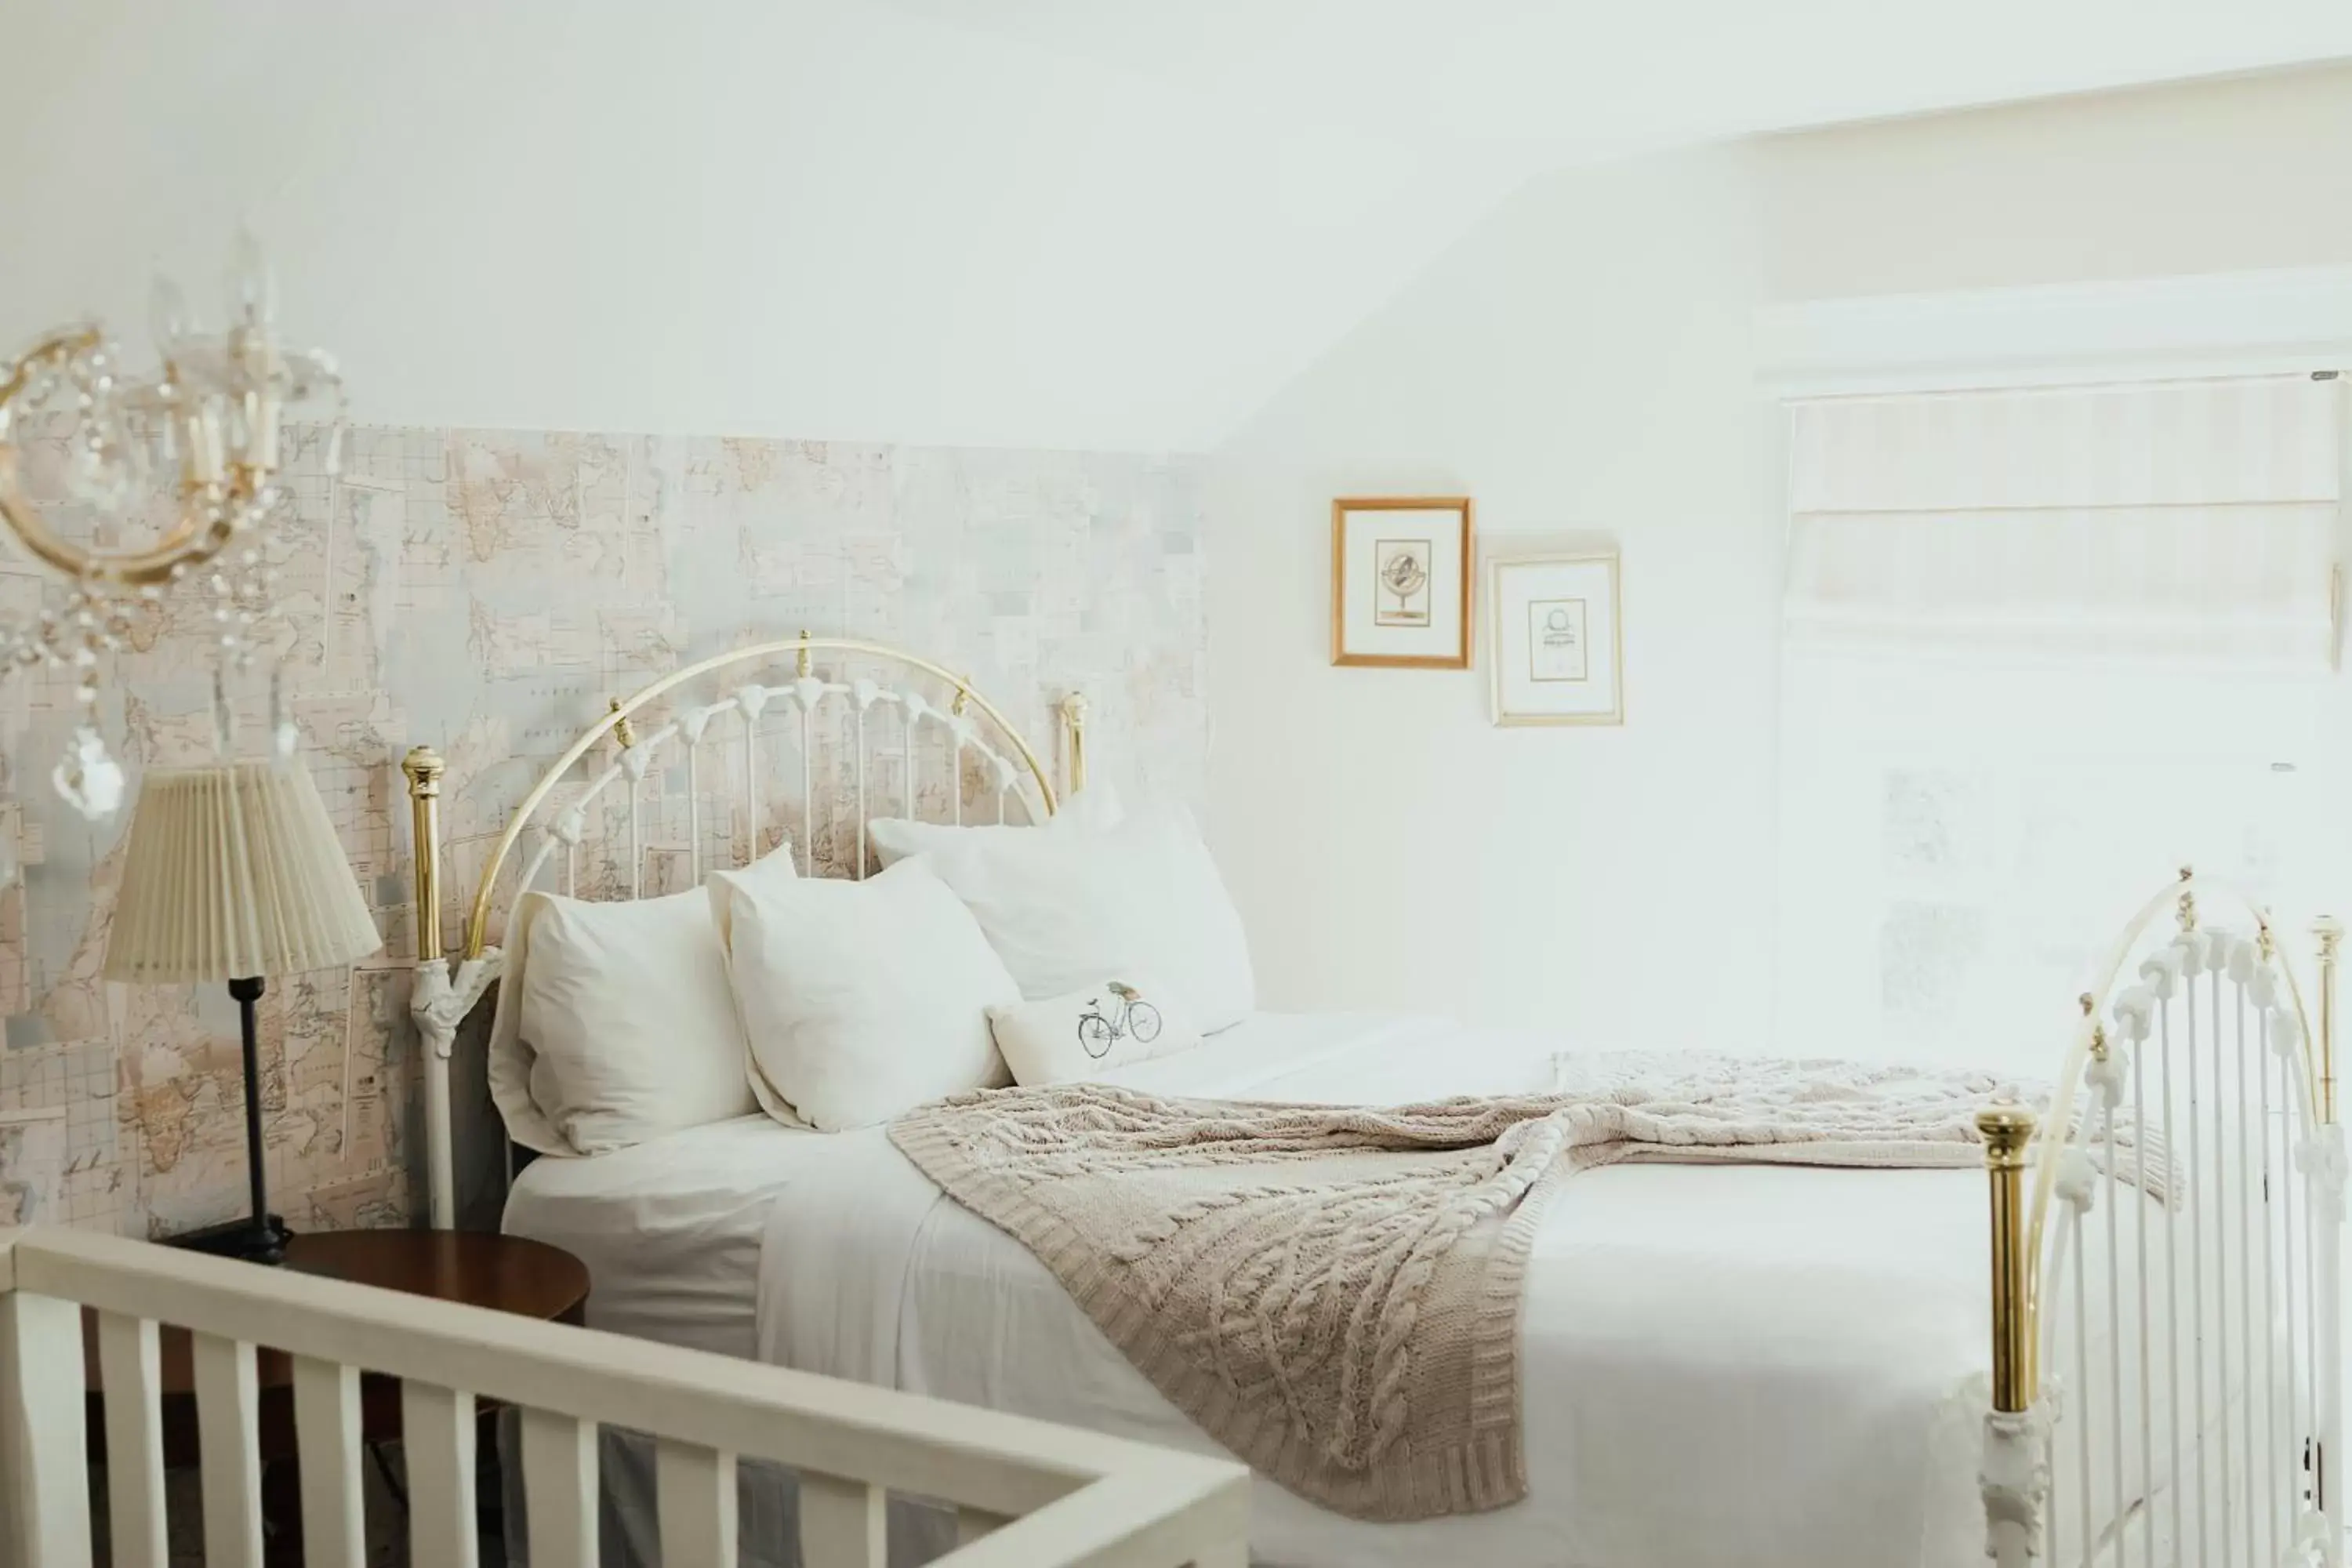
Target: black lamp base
point(260, 1236)
point(246, 1240)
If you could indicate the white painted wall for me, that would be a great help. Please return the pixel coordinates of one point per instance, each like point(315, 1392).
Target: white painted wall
point(782, 217)
point(1585, 360)
point(1579, 363)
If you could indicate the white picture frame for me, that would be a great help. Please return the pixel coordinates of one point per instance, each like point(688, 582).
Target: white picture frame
point(1556, 651)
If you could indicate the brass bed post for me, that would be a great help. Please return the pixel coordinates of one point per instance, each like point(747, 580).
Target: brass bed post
point(424, 768)
point(2007, 1128)
point(2015, 1479)
point(1072, 709)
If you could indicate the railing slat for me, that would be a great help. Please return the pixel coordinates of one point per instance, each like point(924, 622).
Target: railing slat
point(327, 1438)
point(694, 1493)
point(559, 1485)
point(228, 1434)
point(42, 1434)
point(130, 1364)
point(841, 1522)
point(437, 1428)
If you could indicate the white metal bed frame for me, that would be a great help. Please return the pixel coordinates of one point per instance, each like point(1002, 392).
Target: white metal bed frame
point(974, 728)
point(2194, 1061)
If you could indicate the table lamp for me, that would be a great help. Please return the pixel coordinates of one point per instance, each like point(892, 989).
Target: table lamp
point(234, 873)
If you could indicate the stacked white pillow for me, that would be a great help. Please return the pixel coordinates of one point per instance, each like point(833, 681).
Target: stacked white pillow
point(616, 1024)
point(834, 1003)
point(1095, 810)
point(1065, 910)
point(860, 999)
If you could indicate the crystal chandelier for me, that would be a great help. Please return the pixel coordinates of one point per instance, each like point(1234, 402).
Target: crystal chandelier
point(190, 455)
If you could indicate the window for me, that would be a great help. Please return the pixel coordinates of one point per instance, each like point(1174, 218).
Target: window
point(2040, 648)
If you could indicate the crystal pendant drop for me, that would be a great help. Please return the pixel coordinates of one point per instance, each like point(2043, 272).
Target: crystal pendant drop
point(86, 778)
point(284, 738)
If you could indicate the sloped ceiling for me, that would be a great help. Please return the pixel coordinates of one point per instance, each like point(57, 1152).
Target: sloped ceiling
point(1061, 223)
point(1559, 81)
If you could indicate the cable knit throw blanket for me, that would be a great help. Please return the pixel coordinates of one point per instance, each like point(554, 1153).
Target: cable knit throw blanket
point(1333, 1292)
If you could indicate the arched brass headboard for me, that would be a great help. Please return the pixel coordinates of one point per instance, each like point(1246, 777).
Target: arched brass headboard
point(444, 994)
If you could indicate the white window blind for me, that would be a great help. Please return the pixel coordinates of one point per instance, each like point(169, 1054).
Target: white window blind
point(2041, 647)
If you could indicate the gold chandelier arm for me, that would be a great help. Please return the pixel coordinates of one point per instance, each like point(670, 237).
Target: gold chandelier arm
point(478, 919)
point(205, 526)
point(55, 349)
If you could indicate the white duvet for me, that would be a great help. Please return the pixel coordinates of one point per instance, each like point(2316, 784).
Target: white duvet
point(1763, 1365)
point(1743, 1365)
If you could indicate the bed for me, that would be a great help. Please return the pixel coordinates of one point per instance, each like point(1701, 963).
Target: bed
point(1739, 1364)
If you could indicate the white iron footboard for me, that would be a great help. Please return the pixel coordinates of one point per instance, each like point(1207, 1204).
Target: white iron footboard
point(2165, 1291)
point(1028, 1495)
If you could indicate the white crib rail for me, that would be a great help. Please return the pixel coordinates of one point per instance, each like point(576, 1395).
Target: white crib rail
point(1028, 1495)
point(2167, 1338)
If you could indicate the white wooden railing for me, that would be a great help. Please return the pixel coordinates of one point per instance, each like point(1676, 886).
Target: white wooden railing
point(1027, 1495)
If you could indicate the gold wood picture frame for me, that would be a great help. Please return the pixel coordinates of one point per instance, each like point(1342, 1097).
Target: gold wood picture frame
point(1402, 570)
point(1558, 638)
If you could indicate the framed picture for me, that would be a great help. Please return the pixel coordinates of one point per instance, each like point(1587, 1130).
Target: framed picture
point(1401, 572)
point(1557, 655)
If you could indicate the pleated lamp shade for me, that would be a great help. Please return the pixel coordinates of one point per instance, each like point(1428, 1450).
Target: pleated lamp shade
point(233, 872)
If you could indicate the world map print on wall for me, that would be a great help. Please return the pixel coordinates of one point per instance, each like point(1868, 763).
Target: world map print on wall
point(485, 592)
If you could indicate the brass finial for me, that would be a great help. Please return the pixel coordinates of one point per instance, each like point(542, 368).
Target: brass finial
point(2098, 1042)
point(804, 664)
point(2187, 912)
point(424, 768)
point(2007, 1128)
point(623, 731)
point(2330, 932)
point(962, 699)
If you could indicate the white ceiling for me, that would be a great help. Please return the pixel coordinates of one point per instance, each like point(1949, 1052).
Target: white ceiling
point(1551, 81)
point(1040, 223)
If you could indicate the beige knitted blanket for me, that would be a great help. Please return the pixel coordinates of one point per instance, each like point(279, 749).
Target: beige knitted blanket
point(1333, 1292)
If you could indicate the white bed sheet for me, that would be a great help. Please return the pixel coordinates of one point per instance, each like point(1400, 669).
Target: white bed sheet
point(1753, 1365)
point(1743, 1365)
point(670, 1229)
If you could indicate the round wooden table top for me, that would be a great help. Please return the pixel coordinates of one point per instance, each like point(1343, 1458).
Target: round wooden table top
point(504, 1273)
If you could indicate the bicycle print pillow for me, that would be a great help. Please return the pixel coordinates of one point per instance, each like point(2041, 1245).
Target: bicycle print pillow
point(1071, 1038)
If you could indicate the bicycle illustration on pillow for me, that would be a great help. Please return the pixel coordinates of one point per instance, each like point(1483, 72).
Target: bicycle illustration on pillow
point(1099, 1031)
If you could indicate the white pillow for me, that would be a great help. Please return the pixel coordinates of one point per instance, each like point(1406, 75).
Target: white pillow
point(861, 1000)
point(1062, 909)
point(622, 1025)
point(1084, 1034)
point(1093, 809)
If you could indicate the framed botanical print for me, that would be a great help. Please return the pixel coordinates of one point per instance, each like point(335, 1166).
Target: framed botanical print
point(1557, 655)
point(1401, 573)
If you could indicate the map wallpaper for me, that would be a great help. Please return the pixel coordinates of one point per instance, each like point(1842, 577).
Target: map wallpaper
point(485, 592)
